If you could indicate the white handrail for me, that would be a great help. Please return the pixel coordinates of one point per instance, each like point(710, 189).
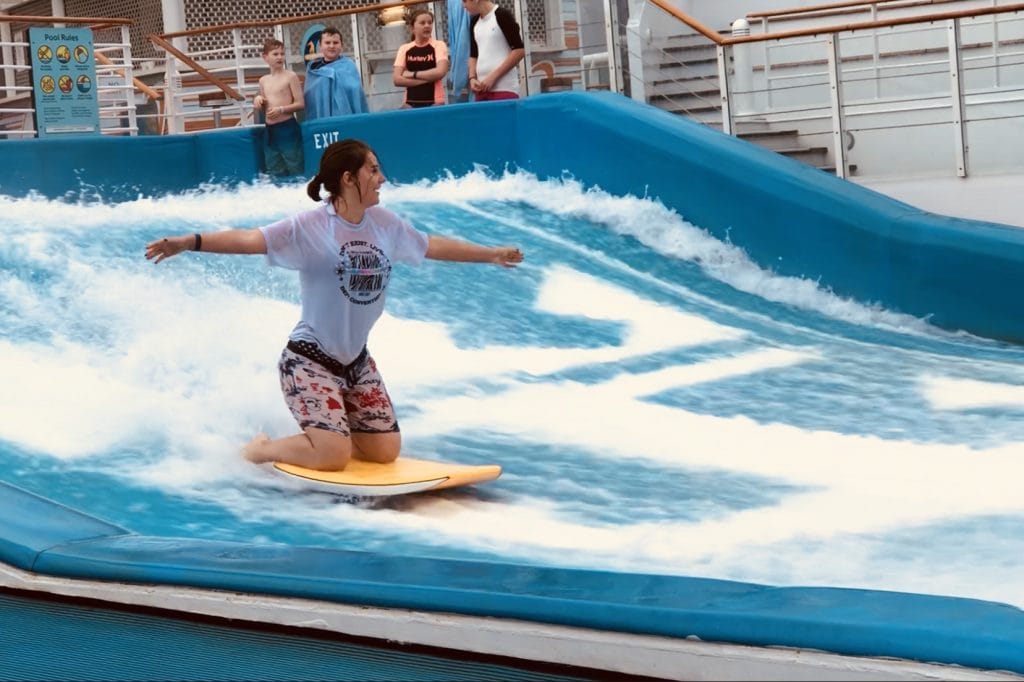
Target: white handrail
point(813, 84)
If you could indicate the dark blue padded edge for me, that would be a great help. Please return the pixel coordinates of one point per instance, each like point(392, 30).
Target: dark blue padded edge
point(31, 524)
point(49, 538)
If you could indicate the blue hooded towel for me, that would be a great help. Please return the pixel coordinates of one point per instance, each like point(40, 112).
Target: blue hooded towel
point(333, 89)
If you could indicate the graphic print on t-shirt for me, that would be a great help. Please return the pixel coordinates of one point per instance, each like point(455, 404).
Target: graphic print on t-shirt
point(364, 271)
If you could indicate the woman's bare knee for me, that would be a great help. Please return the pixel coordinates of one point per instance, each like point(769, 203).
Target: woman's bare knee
point(332, 451)
point(377, 447)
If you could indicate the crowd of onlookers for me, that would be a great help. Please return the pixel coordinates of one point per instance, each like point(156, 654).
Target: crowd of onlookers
point(333, 86)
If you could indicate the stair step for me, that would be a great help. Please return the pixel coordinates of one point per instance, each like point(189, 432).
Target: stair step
point(691, 58)
point(694, 88)
point(776, 140)
point(702, 66)
point(852, 169)
point(675, 108)
point(750, 135)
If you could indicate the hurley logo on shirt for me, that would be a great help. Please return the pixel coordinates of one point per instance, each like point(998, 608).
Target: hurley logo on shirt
point(364, 272)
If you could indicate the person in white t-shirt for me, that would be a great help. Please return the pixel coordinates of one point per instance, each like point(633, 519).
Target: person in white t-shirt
point(495, 50)
point(343, 250)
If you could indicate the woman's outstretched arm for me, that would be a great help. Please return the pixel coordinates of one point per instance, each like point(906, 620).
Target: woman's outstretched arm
point(229, 241)
point(445, 248)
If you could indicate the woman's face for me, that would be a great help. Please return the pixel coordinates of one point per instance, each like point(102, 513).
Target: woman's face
point(369, 181)
point(423, 28)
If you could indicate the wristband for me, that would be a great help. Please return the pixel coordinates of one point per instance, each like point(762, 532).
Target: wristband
point(414, 76)
point(198, 246)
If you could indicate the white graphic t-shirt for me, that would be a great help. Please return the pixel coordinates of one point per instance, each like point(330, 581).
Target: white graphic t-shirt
point(344, 270)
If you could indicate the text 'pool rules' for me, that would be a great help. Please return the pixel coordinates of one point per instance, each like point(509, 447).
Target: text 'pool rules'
point(64, 81)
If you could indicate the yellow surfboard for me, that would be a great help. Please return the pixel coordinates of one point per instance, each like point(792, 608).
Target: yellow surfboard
point(403, 476)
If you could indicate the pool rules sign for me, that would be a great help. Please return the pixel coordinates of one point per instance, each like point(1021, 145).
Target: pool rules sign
point(64, 81)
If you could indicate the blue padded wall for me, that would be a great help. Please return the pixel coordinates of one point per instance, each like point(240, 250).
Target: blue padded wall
point(121, 168)
point(418, 144)
point(789, 217)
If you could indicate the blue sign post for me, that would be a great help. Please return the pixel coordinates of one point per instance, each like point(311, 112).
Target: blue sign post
point(64, 81)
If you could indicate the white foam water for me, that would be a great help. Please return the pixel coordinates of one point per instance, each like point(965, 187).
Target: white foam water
point(158, 374)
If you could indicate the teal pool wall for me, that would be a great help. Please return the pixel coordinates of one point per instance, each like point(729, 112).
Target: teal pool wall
point(789, 217)
point(54, 540)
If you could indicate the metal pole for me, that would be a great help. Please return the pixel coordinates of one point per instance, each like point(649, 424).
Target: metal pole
point(521, 17)
point(838, 121)
point(357, 52)
point(611, 41)
point(874, 51)
point(6, 55)
point(995, 49)
point(172, 105)
point(236, 37)
point(126, 41)
point(723, 87)
point(743, 84)
point(956, 92)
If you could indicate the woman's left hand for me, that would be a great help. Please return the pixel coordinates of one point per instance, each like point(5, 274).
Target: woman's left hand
point(507, 256)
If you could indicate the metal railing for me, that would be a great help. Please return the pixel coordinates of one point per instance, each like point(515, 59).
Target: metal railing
point(806, 77)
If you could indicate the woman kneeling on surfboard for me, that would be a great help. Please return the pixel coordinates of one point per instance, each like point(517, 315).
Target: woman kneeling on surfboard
point(343, 250)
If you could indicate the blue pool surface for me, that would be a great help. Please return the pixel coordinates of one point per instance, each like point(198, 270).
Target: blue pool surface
point(792, 419)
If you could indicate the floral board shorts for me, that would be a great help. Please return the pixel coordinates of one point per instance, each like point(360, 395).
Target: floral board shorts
point(326, 394)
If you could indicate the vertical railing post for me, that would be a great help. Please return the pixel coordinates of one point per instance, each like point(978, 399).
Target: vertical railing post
point(7, 58)
point(956, 93)
point(129, 80)
point(519, 6)
point(172, 105)
point(874, 51)
point(638, 49)
point(286, 38)
point(743, 81)
point(995, 49)
point(357, 51)
point(236, 39)
point(767, 66)
point(835, 93)
point(611, 43)
point(724, 89)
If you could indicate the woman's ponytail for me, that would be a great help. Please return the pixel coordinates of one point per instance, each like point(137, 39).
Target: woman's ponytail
point(313, 188)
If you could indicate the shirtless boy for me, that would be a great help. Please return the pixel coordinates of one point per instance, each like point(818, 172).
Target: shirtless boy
point(280, 97)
